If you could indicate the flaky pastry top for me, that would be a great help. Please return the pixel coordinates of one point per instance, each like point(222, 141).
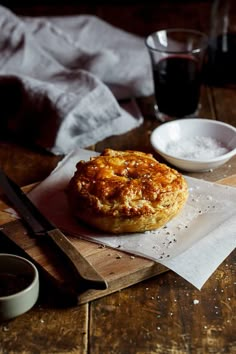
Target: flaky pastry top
point(125, 183)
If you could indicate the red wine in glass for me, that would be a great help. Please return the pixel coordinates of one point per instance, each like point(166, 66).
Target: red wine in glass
point(177, 82)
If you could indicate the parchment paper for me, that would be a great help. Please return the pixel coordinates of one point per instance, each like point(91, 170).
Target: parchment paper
point(193, 244)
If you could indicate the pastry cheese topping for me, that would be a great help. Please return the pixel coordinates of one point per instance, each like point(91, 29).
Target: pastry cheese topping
point(126, 191)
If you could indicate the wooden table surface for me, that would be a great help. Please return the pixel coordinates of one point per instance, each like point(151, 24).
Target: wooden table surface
point(159, 315)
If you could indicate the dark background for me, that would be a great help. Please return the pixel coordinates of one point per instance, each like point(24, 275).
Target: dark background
point(136, 16)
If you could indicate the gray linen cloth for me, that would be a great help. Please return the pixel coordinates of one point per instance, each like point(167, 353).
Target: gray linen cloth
point(61, 79)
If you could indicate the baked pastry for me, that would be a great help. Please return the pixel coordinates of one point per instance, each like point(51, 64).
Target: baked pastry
point(126, 191)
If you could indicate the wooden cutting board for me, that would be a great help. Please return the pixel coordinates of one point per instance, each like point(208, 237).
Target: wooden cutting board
point(118, 268)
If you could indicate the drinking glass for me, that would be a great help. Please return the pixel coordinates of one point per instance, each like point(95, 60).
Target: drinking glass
point(177, 57)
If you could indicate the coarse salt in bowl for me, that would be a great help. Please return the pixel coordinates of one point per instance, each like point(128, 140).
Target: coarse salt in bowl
point(195, 144)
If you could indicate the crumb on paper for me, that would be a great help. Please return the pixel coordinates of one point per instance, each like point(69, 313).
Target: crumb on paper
point(102, 246)
point(118, 256)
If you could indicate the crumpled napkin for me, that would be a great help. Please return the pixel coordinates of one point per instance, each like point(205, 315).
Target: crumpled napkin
point(61, 77)
point(193, 244)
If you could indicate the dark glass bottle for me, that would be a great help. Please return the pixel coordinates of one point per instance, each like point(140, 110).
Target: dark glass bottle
point(221, 64)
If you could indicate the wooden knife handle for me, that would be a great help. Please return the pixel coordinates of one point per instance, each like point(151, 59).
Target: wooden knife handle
point(84, 269)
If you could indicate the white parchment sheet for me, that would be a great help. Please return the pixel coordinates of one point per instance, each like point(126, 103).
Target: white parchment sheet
point(193, 244)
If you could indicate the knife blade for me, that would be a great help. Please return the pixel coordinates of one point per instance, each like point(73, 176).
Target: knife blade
point(39, 225)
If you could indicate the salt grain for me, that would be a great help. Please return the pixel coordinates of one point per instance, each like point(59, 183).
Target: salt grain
point(196, 302)
point(198, 147)
point(5, 328)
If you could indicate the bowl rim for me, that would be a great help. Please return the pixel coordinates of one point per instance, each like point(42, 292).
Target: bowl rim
point(162, 152)
point(32, 284)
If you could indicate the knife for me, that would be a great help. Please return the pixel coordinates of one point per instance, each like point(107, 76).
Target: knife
point(39, 225)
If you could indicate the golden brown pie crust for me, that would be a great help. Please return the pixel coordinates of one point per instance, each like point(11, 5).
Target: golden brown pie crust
point(126, 191)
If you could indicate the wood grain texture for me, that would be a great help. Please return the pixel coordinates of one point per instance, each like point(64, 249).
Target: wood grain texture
point(154, 306)
point(172, 316)
point(163, 314)
point(117, 268)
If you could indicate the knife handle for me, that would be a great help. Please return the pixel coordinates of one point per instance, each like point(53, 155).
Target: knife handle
point(85, 270)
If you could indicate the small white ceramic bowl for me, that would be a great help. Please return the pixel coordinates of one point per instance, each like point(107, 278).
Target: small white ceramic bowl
point(189, 143)
point(19, 286)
